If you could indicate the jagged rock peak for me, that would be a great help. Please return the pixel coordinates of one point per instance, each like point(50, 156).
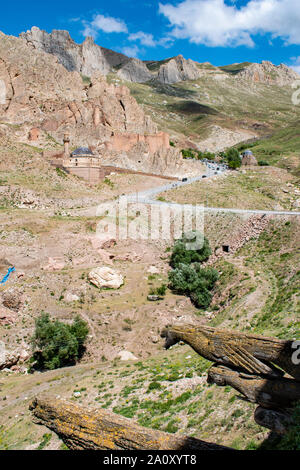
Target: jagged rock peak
point(178, 69)
point(266, 72)
point(86, 58)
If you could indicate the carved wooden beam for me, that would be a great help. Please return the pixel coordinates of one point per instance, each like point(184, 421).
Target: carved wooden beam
point(247, 352)
point(269, 393)
point(83, 428)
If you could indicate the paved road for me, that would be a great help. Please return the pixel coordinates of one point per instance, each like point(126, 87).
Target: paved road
point(148, 196)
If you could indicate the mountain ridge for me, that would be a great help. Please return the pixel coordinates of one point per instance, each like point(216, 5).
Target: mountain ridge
point(88, 58)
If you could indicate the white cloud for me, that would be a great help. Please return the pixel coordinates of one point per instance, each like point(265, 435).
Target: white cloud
point(145, 39)
point(131, 51)
point(215, 23)
point(107, 24)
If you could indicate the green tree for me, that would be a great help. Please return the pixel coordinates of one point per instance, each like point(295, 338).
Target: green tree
point(233, 158)
point(191, 248)
point(188, 277)
point(56, 344)
point(195, 282)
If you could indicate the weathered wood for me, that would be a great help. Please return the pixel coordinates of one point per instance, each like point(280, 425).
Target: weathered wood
point(269, 393)
point(83, 428)
point(252, 353)
point(275, 420)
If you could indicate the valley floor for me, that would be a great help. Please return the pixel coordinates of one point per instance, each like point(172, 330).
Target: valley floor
point(257, 291)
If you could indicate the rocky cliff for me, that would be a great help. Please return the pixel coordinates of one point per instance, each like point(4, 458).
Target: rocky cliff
point(43, 100)
point(266, 72)
point(41, 93)
point(135, 71)
point(178, 69)
point(88, 58)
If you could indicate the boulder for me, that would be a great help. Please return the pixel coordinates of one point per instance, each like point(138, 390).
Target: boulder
point(69, 297)
point(127, 356)
point(106, 277)
point(154, 298)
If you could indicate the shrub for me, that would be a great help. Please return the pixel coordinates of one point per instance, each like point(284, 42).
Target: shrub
point(263, 163)
point(195, 282)
point(188, 277)
point(187, 153)
point(183, 254)
point(161, 290)
point(56, 344)
point(233, 158)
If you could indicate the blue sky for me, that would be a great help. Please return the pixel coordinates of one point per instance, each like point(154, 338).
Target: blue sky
point(217, 31)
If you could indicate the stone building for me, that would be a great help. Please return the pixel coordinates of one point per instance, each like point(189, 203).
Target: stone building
point(248, 158)
point(84, 163)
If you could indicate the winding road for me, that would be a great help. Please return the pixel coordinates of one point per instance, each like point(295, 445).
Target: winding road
point(148, 196)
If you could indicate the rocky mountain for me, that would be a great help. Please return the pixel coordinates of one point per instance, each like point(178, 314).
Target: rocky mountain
point(135, 71)
point(41, 93)
point(177, 70)
point(266, 72)
point(43, 100)
point(88, 58)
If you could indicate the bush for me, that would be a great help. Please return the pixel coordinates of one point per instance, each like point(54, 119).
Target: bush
point(187, 153)
point(188, 277)
point(195, 282)
point(56, 344)
point(183, 255)
point(263, 163)
point(233, 158)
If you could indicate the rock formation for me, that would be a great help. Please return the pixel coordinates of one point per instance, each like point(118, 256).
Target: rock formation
point(135, 71)
point(266, 72)
point(177, 70)
point(40, 90)
point(105, 277)
point(86, 58)
point(248, 364)
point(242, 361)
point(83, 428)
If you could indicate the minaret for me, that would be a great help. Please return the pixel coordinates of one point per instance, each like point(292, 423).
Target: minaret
point(66, 144)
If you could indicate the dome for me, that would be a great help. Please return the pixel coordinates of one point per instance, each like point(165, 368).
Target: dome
point(82, 152)
point(248, 153)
